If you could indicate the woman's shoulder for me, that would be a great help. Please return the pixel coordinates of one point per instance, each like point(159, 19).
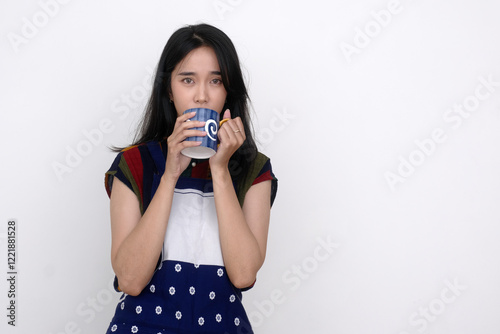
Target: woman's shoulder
point(143, 148)
point(260, 164)
point(143, 145)
point(260, 170)
point(135, 165)
point(141, 155)
point(261, 156)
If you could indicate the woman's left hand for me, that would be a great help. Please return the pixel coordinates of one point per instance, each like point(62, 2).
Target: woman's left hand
point(231, 137)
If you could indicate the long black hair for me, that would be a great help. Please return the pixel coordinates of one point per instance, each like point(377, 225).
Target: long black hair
point(160, 114)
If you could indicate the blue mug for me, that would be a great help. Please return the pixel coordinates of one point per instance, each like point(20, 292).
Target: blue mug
point(208, 145)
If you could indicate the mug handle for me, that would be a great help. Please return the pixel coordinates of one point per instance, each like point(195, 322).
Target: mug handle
point(220, 124)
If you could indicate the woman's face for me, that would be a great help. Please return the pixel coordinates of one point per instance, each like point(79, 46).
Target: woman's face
point(197, 83)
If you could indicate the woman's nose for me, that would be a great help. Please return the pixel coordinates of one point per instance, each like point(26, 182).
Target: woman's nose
point(201, 94)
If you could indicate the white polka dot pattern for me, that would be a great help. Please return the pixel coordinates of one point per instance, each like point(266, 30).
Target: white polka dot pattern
point(214, 292)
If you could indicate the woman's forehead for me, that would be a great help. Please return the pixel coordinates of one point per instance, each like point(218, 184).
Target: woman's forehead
point(199, 60)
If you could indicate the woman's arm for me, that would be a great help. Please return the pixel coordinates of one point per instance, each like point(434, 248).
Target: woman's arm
point(242, 231)
point(137, 241)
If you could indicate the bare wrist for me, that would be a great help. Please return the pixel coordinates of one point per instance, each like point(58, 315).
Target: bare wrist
point(168, 179)
point(220, 172)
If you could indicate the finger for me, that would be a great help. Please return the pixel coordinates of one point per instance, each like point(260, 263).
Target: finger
point(240, 126)
point(182, 145)
point(229, 136)
point(193, 133)
point(182, 135)
point(182, 126)
point(236, 127)
point(222, 134)
point(183, 131)
point(185, 144)
point(239, 122)
point(192, 124)
point(186, 116)
point(184, 119)
point(226, 117)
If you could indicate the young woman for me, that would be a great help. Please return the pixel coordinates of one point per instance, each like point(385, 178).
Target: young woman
point(189, 235)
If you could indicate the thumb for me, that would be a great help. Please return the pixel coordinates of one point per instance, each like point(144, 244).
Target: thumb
point(227, 114)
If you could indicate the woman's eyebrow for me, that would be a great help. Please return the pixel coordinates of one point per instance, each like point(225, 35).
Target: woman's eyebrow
point(194, 73)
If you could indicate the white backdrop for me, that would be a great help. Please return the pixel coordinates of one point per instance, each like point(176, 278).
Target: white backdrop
point(381, 118)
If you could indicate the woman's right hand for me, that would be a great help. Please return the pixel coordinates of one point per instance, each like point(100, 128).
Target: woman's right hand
point(177, 162)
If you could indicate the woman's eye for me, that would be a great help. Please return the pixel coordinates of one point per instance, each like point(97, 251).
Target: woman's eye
point(217, 81)
point(187, 80)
